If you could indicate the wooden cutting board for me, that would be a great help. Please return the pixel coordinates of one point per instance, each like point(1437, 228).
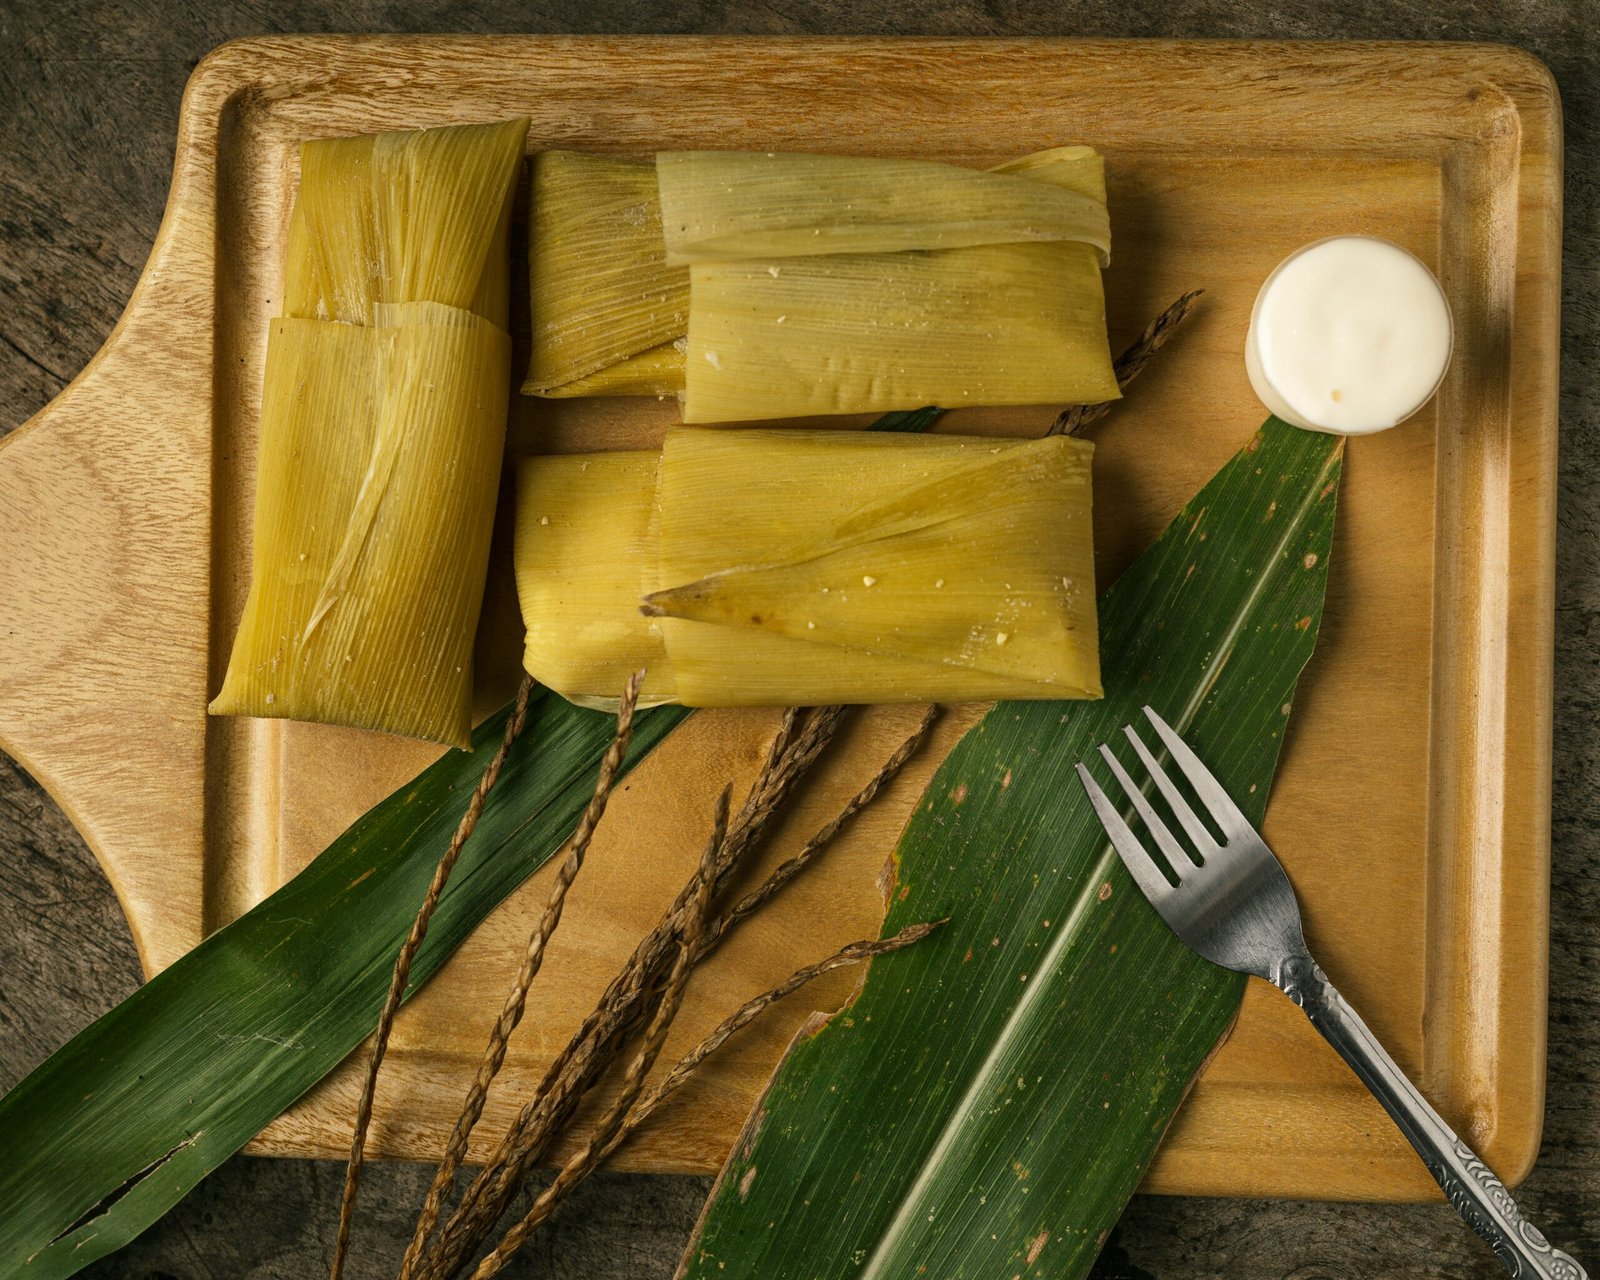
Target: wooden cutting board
point(1412, 805)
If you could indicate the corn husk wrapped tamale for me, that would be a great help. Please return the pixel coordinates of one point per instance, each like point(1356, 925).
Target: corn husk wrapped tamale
point(1015, 319)
point(382, 428)
point(821, 284)
point(759, 568)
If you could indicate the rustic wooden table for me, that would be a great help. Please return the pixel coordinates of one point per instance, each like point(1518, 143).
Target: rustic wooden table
point(89, 95)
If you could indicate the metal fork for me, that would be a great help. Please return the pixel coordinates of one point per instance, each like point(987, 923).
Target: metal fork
point(1233, 904)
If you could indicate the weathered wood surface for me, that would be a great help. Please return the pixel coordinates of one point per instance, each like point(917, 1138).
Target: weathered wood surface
point(91, 99)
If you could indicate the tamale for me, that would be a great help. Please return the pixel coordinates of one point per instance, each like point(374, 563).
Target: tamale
point(754, 568)
point(1005, 322)
point(601, 289)
point(381, 434)
point(818, 285)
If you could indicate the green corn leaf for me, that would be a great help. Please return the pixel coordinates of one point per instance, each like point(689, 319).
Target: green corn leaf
point(990, 1100)
point(111, 1131)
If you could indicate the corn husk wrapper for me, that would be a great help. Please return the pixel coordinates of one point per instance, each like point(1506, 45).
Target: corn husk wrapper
point(738, 206)
point(820, 284)
point(987, 323)
point(656, 372)
point(992, 324)
point(409, 216)
point(601, 289)
point(587, 543)
point(804, 567)
point(370, 547)
point(382, 429)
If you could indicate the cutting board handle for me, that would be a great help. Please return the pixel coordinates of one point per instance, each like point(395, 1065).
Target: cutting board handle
point(105, 567)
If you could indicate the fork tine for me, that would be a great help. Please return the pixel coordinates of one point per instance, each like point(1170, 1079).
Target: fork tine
point(1202, 839)
point(1177, 857)
point(1210, 791)
point(1144, 872)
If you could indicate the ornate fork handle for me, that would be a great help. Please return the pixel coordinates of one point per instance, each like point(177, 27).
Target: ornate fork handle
point(1478, 1196)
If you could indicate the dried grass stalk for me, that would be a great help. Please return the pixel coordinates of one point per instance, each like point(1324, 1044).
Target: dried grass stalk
point(624, 1006)
point(1129, 365)
point(787, 871)
point(618, 1127)
point(402, 972)
point(609, 1125)
point(516, 1001)
point(751, 1009)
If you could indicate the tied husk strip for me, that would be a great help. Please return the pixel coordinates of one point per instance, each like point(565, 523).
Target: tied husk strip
point(402, 969)
point(1129, 365)
point(605, 1130)
point(516, 1001)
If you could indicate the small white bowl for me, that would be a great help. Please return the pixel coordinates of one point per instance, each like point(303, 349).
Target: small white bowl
point(1348, 335)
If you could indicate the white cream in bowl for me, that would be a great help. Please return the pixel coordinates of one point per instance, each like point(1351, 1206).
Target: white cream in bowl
point(1349, 335)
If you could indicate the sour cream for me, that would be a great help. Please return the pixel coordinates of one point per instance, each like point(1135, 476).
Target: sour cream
point(1349, 335)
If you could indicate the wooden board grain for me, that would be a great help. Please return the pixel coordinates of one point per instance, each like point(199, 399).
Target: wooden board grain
point(1413, 799)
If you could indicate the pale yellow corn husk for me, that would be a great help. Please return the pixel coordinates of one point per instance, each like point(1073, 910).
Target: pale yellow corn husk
point(332, 258)
point(306, 295)
point(854, 333)
point(374, 506)
point(656, 372)
point(803, 567)
point(601, 290)
point(1080, 169)
point(407, 216)
point(382, 428)
point(586, 550)
point(726, 206)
